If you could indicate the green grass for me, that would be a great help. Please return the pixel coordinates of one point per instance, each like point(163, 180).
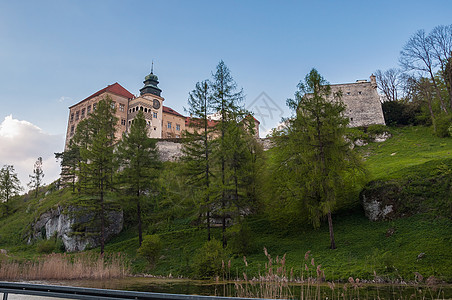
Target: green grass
point(409, 146)
point(363, 247)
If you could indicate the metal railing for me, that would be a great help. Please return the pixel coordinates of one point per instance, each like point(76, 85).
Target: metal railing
point(68, 292)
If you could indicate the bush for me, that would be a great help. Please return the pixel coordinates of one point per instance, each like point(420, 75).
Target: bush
point(355, 134)
point(443, 125)
point(46, 246)
point(150, 248)
point(207, 263)
point(239, 239)
point(376, 129)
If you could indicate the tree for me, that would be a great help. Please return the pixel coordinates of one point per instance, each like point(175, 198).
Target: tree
point(36, 178)
point(389, 83)
point(418, 54)
point(139, 164)
point(69, 162)
point(9, 185)
point(226, 100)
point(441, 44)
point(95, 137)
point(198, 146)
point(314, 161)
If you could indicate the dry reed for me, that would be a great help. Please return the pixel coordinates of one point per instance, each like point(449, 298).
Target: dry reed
point(65, 266)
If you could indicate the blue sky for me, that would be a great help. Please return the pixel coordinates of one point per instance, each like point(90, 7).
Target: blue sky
point(55, 53)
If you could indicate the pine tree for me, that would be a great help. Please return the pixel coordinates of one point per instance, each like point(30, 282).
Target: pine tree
point(9, 185)
point(314, 160)
point(95, 137)
point(139, 165)
point(197, 149)
point(226, 100)
point(38, 174)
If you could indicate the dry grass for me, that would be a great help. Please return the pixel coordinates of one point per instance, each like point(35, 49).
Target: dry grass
point(279, 283)
point(64, 266)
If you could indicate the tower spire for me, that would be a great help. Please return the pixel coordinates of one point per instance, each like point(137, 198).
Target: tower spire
point(152, 67)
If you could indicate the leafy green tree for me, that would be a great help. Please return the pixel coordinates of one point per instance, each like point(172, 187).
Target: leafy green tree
point(314, 162)
point(9, 185)
point(226, 101)
point(95, 137)
point(69, 162)
point(36, 178)
point(198, 145)
point(139, 165)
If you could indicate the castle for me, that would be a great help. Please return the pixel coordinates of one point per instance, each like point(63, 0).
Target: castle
point(162, 121)
point(361, 99)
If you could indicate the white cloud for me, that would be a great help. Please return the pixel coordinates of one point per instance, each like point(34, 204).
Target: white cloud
point(22, 142)
point(65, 99)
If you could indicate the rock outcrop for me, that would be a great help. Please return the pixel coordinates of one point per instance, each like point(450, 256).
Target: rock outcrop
point(59, 222)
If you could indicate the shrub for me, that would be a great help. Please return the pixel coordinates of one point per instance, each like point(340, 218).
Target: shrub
point(443, 124)
point(207, 263)
point(150, 248)
point(239, 239)
point(46, 246)
point(355, 134)
point(376, 129)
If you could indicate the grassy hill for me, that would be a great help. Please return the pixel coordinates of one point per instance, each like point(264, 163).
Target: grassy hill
point(389, 249)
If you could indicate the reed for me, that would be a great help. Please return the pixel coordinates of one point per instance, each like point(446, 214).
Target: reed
point(277, 282)
point(65, 266)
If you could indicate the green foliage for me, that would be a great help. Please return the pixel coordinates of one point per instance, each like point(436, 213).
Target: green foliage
point(207, 262)
point(443, 125)
point(38, 174)
point(240, 239)
point(355, 134)
point(376, 129)
point(139, 165)
point(95, 137)
point(399, 113)
point(312, 159)
point(9, 186)
point(150, 248)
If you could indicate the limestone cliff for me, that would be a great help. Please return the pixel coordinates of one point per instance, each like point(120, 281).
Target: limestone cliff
point(60, 222)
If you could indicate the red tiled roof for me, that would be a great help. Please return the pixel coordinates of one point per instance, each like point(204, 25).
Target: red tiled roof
point(114, 88)
point(169, 110)
point(210, 123)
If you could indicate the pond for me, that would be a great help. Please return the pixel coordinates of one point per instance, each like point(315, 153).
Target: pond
point(296, 291)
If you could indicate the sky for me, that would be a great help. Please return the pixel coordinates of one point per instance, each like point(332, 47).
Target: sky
point(54, 54)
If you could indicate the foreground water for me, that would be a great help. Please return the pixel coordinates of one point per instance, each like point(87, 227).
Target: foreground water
point(197, 287)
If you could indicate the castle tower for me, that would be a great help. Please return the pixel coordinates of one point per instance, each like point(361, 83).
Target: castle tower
point(151, 104)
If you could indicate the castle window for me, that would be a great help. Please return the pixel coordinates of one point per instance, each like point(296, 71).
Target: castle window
point(141, 108)
point(113, 105)
point(72, 130)
point(359, 92)
point(88, 110)
point(130, 110)
point(77, 114)
point(123, 122)
point(348, 93)
point(121, 107)
point(133, 109)
point(72, 117)
point(169, 125)
point(155, 128)
point(178, 127)
point(351, 119)
point(145, 110)
point(83, 113)
point(129, 122)
point(154, 115)
point(94, 106)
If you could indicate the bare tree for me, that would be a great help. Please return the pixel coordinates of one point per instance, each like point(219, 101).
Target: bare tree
point(389, 82)
point(441, 45)
point(417, 55)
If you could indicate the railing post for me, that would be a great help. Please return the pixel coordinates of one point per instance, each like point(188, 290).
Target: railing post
point(5, 296)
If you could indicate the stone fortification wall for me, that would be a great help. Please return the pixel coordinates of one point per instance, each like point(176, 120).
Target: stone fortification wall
point(362, 101)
